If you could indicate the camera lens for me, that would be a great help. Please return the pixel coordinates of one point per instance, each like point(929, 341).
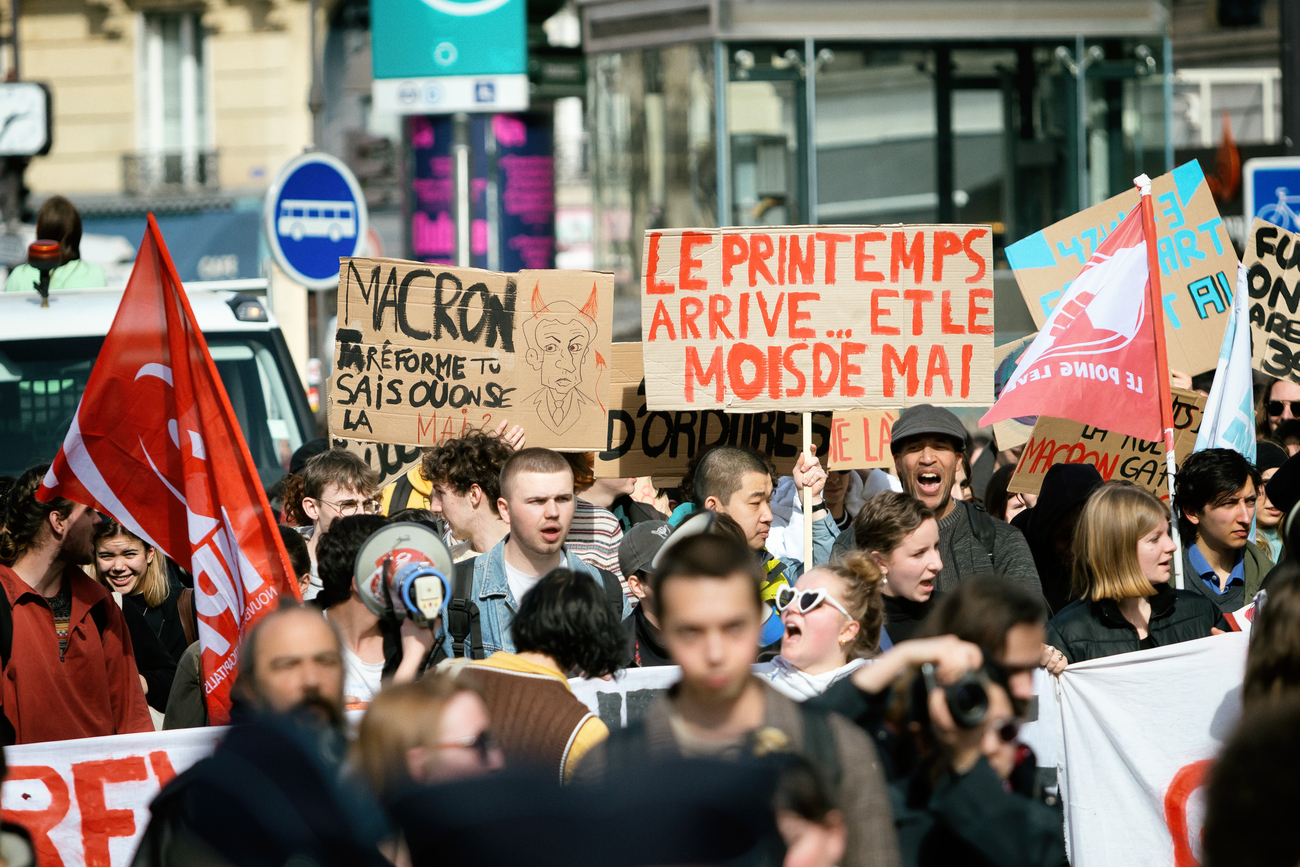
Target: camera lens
point(968, 702)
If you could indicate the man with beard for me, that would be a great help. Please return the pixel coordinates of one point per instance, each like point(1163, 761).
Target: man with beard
point(272, 792)
point(928, 443)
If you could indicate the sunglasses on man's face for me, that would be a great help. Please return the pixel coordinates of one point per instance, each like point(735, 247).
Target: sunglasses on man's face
point(1275, 407)
point(806, 600)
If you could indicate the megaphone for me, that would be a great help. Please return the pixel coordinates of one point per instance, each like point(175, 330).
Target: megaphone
point(402, 571)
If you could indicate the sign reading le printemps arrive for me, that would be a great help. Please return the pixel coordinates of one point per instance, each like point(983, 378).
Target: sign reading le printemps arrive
point(805, 318)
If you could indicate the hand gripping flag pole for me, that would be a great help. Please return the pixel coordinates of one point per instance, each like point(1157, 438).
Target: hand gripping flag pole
point(1143, 183)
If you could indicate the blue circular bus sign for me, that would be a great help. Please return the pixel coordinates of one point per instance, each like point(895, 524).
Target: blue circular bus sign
point(315, 214)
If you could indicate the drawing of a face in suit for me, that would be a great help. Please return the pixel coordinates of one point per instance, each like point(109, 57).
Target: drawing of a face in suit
point(557, 338)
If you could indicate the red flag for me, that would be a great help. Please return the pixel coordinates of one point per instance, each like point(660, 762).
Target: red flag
point(156, 445)
point(1095, 359)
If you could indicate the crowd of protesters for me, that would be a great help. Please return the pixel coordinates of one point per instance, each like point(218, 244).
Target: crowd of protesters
point(811, 724)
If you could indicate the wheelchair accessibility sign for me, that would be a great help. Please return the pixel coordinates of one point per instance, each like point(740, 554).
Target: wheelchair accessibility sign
point(315, 213)
point(1271, 191)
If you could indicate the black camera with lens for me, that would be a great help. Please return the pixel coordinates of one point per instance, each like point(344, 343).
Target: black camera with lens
point(967, 699)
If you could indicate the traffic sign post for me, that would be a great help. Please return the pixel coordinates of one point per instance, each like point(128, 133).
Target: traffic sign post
point(448, 56)
point(314, 215)
point(1271, 191)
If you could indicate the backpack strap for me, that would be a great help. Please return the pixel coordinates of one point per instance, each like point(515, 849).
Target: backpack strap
point(819, 745)
point(462, 614)
point(613, 592)
point(185, 609)
point(981, 526)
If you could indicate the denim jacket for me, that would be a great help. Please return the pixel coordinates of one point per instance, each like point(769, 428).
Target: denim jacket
point(497, 605)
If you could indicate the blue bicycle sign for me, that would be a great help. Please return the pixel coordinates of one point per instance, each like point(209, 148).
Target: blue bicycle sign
point(1271, 191)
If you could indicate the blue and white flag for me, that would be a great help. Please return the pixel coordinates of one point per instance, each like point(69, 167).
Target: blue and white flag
point(1229, 418)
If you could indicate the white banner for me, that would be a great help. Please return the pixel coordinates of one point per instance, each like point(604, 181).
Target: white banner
point(86, 802)
point(1139, 732)
point(624, 697)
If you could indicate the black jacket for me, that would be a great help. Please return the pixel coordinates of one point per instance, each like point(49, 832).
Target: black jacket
point(1066, 487)
point(165, 620)
point(1090, 630)
point(972, 819)
point(903, 616)
point(644, 641)
point(152, 660)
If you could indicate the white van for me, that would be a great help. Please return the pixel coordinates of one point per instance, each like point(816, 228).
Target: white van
point(46, 355)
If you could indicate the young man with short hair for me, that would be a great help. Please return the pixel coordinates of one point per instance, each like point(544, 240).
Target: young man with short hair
point(706, 596)
point(928, 443)
point(335, 484)
point(536, 504)
point(464, 475)
point(1215, 494)
point(736, 482)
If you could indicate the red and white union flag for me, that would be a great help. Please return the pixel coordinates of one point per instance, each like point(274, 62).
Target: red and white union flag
point(155, 444)
point(1094, 361)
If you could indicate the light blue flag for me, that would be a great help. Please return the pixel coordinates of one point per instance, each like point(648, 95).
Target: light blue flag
point(1229, 418)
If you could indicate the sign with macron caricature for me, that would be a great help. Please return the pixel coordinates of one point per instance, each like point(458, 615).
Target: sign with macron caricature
point(1198, 264)
point(423, 350)
point(810, 318)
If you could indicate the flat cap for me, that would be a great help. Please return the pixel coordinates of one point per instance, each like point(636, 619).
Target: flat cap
point(923, 419)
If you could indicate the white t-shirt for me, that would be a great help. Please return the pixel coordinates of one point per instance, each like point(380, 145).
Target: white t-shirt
point(792, 682)
point(518, 582)
point(361, 679)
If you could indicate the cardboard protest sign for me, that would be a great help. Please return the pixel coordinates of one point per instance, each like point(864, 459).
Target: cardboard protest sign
point(1013, 431)
point(1273, 280)
point(423, 348)
point(387, 460)
point(818, 317)
point(86, 802)
point(661, 444)
point(1197, 262)
point(860, 440)
point(1116, 456)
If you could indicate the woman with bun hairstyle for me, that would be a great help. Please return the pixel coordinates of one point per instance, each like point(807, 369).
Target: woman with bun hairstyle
point(902, 536)
point(832, 620)
point(1123, 556)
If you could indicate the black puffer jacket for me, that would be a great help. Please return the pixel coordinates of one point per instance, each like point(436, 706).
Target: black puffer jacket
point(1090, 630)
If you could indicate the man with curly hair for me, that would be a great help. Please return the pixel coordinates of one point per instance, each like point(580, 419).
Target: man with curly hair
point(464, 475)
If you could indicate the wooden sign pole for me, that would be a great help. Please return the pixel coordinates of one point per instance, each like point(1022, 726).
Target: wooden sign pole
point(806, 493)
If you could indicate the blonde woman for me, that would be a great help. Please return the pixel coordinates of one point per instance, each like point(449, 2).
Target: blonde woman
point(1123, 555)
point(832, 620)
point(126, 564)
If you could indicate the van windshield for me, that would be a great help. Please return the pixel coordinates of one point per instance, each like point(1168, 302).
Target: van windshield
point(41, 382)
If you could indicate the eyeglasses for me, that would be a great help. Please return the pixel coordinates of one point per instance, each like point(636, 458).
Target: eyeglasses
point(802, 603)
point(348, 508)
point(1275, 407)
point(482, 744)
point(1007, 730)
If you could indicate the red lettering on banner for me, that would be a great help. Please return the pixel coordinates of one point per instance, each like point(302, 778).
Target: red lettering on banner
point(760, 250)
point(976, 310)
point(829, 240)
point(734, 252)
point(884, 436)
point(770, 322)
point(797, 315)
point(687, 265)
point(161, 764)
point(719, 309)
point(653, 285)
point(823, 387)
point(937, 366)
point(661, 319)
point(945, 244)
point(901, 257)
point(780, 260)
point(967, 354)
point(847, 369)
point(918, 297)
point(876, 312)
point(736, 358)
point(744, 316)
point(98, 823)
point(802, 263)
point(839, 439)
point(889, 361)
point(691, 310)
point(694, 372)
point(788, 363)
point(1188, 779)
point(981, 265)
point(946, 325)
point(774, 372)
point(861, 257)
point(39, 823)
